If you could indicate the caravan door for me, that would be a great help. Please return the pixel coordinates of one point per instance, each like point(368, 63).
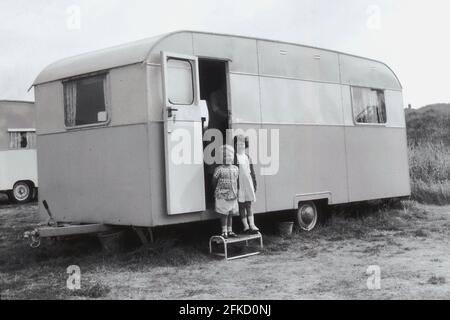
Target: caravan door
point(183, 140)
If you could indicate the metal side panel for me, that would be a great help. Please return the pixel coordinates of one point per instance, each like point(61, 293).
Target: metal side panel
point(96, 176)
point(300, 102)
point(299, 62)
point(367, 73)
point(311, 160)
point(17, 165)
point(377, 163)
point(241, 53)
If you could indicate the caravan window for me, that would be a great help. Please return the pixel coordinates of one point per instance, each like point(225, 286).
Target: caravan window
point(21, 139)
point(368, 105)
point(85, 102)
point(180, 82)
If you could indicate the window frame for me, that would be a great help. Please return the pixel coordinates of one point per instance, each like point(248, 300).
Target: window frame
point(107, 98)
point(356, 123)
point(23, 130)
point(192, 81)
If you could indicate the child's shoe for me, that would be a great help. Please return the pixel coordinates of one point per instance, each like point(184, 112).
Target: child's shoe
point(224, 235)
point(254, 230)
point(231, 234)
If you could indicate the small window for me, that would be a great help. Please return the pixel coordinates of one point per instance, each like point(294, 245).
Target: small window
point(180, 82)
point(368, 105)
point(21, 139)
point(85, 102)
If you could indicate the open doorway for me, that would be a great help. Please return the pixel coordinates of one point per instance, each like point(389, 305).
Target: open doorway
point(214, 90)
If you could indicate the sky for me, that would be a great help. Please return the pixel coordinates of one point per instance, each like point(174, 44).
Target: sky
point(411, 36)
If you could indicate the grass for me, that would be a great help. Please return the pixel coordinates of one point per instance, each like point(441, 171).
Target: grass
point(368, 221)
point(428, 131)
point(41, 273)
point(434, 280)
point(93, 290)
point(430, 173)
point(22, 269)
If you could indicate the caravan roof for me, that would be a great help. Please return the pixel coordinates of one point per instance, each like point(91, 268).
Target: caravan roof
point(136, 52)
point(117, 56)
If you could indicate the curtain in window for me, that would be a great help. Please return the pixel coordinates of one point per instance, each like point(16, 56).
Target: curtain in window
point(105, 95)
point(22, 140)
point(14, 140)
point(381, 107)
point(70, 103)
point(31, 140)
point(372, 106)
point(368, 105)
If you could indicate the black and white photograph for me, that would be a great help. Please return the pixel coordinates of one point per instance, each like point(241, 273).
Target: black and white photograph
point(246, 152)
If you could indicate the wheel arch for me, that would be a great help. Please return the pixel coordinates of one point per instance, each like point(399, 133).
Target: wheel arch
point(325, 198)
point(31, 183)
point(319, 203)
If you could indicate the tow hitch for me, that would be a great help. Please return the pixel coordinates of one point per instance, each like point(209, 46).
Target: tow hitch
point(53, 229)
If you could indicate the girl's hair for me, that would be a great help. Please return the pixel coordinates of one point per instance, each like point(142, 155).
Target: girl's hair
point(240, 138)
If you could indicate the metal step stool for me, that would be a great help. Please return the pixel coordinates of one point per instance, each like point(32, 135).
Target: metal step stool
point(240, 238)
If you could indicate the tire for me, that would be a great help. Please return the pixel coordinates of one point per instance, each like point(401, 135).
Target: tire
point(21, 193)
point(307, 216)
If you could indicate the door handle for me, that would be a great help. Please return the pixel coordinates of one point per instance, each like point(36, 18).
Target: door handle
point(170, 111)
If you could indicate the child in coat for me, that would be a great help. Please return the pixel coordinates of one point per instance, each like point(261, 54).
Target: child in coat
point(225, 183)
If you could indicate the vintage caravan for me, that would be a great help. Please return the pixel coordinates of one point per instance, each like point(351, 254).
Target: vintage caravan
point(18, 165)
point(106, 119)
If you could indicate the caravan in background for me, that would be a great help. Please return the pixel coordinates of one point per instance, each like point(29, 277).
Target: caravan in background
point(18, 167)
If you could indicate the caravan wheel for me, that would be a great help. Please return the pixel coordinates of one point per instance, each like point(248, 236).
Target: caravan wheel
point(307, 216)
point(22, 192)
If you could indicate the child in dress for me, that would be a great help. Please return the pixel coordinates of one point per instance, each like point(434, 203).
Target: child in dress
point(246, 186)
point(225, 183)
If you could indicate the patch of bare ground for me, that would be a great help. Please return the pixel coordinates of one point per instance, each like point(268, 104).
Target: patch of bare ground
point(408, 241)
